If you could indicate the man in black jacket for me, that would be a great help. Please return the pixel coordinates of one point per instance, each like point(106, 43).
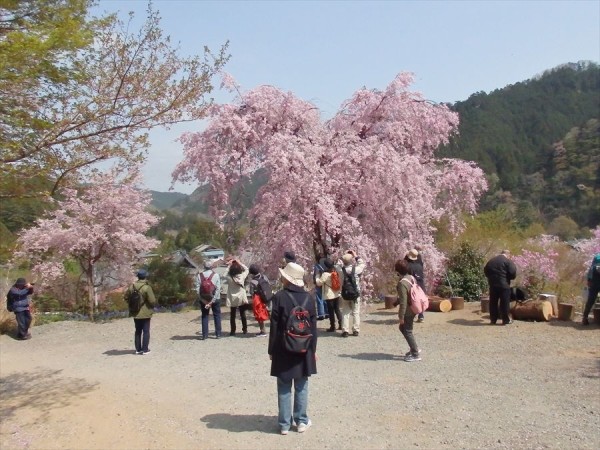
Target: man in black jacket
point(292, 367)
point(499, 272)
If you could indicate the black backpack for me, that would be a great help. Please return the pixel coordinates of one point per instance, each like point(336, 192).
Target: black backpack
point(263, 289)
point(298, 332)
point(349, 288)
point(134, 301)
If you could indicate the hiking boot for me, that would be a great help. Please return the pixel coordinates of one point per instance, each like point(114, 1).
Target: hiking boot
point(304, 426)
point(585, 321)
point(345, 334)
point(355, 333)
point(411, 358)
point(330, 329)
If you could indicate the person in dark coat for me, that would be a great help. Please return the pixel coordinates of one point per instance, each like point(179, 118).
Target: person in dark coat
point(500, 271)
point(593, 282)
point(415, 268)
point(292, 368)
point(18, 301)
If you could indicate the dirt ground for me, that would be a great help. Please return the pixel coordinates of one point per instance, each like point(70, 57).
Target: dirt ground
point(79, 385)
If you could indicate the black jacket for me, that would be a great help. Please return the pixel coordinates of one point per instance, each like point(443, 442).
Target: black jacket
point(500, 271)
point(285, 365)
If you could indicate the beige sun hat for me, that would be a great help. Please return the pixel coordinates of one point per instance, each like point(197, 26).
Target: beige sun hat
point(294, 273)
point(413, 254)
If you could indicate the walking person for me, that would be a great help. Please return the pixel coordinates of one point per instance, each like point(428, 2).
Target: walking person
point(405, 315)
point(330, 283)
point(18, 300)
point(500, 271)
point(593, 282)
point(237, 298)
point(352, 268)
point(260, 293)
point(209, 290)
point(292, 369)
point(141, 319)
point(415, 268)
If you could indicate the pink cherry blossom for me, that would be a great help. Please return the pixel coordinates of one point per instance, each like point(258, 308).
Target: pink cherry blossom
point(367, 179)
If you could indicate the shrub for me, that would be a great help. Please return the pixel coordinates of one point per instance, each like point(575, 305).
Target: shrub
point(465, 277)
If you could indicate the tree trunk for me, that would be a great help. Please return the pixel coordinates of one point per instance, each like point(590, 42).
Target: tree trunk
point(540, 310)
point(439, 304)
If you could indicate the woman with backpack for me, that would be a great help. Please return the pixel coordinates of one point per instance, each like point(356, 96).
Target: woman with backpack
point(406, 316)
point(141, 301)
point(260, 293)
point(236, 294)
point(331, 286)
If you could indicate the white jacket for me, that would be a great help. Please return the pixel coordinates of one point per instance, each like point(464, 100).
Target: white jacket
point(236, 291)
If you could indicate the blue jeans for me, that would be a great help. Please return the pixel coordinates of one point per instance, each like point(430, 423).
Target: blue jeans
point(284, 400)
point(216, 309)
point(23, 323)
point(142, 326)
point(320, 302)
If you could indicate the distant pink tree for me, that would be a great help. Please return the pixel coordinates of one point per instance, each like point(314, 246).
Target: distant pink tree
point(367, 179)
point(538, 265)
point(101, 227)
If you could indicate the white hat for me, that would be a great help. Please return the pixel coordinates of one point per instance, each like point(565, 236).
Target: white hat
point(413, 254)
point(294, 273)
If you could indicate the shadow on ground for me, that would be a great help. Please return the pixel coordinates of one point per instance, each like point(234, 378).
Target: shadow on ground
point(119, 352)
point(42, 391)
point(469, 323)
point(241, 423)
point(184, 338)
point(373, 356)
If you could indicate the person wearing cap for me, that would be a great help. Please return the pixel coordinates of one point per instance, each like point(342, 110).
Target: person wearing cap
point(349, 308)
point(214, 303)
point(500, 271)
point(18, 300)
point(415, 268)
point(292, 368)
point(330, 295)
point(237, 297)
point(142, 318)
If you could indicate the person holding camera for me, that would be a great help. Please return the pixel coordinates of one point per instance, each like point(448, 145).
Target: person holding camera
point(237, 297)
point(18, 300)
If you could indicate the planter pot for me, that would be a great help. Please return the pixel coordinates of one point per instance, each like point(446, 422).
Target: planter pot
point(485, 305)
point(457, 303)
point(596, 312)
point(389, 301)
point(566, 311)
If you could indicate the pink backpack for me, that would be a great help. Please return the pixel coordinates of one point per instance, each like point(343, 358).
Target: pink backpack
point(418, 300)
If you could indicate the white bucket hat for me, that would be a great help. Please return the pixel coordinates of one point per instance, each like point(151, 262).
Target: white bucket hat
point(294, 273)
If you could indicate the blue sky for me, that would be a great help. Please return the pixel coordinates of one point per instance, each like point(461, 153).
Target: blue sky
point(324, 50)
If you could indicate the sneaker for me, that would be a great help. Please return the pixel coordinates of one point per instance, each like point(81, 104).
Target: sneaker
point(410, 353)
point(146, 352)
point(345, 334)
point(284, 432)
point(355, 333)
point(304, 426)
point(139, 353)
point(218, 336)
point(201, 338)
point(421, 319)
point(411, 358)
point(320, 317)
point(261, 334)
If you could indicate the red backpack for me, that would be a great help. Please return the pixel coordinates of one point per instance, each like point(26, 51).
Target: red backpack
point(207, 287)
point(336, 285)
point(418, 300)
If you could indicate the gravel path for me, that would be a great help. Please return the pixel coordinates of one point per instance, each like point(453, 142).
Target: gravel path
point(528, 385)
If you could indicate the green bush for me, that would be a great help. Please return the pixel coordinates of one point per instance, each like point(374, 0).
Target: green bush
point(171, 284)
point(465, 277)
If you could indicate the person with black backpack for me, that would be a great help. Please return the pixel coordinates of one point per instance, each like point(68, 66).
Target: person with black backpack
point(209, 293)
point(140, 298)
point(352, 268)
point(293, 347)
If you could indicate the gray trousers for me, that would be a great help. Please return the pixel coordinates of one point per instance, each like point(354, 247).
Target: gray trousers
point(407, 331)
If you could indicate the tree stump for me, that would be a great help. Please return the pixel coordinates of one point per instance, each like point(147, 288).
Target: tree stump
point(389, 301)
point(566, 311)
point(485, 304)
point(540, 310)
point(596, 312)
point(439, 304)
point(457, 303)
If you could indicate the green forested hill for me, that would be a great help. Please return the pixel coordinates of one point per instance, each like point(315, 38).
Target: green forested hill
point(512, 134)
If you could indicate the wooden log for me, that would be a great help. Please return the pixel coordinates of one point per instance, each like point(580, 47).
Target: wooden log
point(553, 301)
point(457, 303)
point(566, 311)
point(540, 310)
point(389, 301)
point(439, 304)
point(596, 312)
point(485, 304)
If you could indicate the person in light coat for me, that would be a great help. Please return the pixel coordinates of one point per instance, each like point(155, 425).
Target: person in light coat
point(330, 295)
point(237, 297)
point(351, 307)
